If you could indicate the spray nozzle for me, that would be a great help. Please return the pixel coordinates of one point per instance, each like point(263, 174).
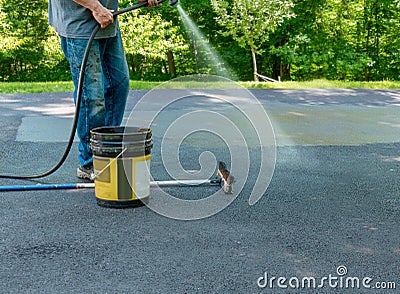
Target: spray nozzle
point(173, 2)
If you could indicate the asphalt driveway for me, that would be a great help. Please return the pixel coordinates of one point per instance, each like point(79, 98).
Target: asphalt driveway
point(329, 220)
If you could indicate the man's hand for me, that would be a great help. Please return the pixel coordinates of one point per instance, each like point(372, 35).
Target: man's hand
point(151, 3)
point(100, 13)
point(103, 16)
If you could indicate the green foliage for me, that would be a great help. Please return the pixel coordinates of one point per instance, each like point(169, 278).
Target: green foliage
point(148, 39)
point(349, 40)
point(249, 22)
point(24, 53)
point(338, 39)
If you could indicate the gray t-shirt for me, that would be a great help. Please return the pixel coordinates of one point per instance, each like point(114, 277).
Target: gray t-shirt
point(75, 21)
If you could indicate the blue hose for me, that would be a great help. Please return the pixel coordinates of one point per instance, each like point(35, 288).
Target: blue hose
point(17, 188)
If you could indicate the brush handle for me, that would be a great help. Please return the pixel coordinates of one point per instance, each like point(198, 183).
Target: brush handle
point(71, 186)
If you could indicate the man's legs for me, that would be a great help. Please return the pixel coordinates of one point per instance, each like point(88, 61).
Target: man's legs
point(105, 87)
point(92, 111)
point(116, 79)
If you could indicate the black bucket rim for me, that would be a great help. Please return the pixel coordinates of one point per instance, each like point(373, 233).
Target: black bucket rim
point(102, 150)
point(112, 140)
point(108, 135)
point(121, 130)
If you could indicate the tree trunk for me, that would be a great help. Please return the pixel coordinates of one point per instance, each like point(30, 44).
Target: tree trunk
point(164, 65)
point(276, 68)
point(171, 63)
point(132, 63)
point(253, 57)
point(285, 71)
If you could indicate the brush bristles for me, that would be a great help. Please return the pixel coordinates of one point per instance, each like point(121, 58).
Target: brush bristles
point(226, 177)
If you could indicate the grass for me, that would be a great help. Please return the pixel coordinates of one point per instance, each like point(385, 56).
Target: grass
point(42, 87)
point(324, 84)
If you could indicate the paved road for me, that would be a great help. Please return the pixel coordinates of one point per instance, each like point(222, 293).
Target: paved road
point(333, 201)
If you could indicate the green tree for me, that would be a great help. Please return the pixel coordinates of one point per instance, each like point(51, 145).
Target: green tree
point(250, 22)
point(151, 40)
point(339, 39)
point(380, 22)
point(24, 33)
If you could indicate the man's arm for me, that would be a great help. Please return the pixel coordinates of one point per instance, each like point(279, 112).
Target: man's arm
point(103, 15)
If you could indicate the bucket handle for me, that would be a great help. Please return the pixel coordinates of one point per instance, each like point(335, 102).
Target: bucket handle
point(95, 175)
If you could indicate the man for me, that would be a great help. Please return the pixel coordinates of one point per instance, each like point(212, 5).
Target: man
point(106, 82)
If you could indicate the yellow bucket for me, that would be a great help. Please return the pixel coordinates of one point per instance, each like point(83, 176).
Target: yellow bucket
point(121, 160)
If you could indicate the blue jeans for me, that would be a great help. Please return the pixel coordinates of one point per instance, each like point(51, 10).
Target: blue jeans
point(105, 87)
